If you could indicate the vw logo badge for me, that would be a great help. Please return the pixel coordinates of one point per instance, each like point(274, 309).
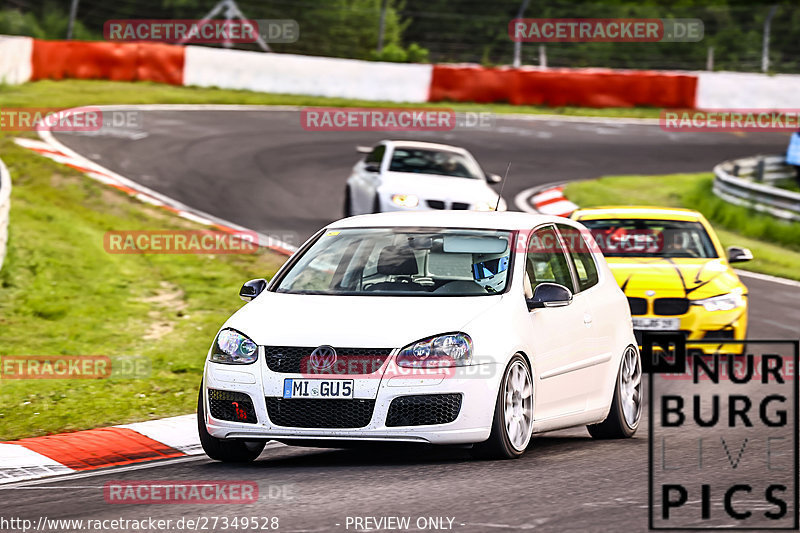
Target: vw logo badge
point(323, 357)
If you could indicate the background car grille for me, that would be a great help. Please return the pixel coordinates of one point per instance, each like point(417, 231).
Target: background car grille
point(719, 334)
point(670, 306)
point(435, 204)
point(302, 413)
point(232, 406)
point(638, 306)
point(296, 360)
point(423, 410)
point(460, 206)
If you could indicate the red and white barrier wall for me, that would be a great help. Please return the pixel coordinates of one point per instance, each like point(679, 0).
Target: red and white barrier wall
point(23, 59)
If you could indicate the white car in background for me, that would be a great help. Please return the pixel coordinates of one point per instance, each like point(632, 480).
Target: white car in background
point(438, 327)
point(419, 176)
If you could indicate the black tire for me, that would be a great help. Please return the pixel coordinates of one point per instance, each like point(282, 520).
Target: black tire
point(616, 426)
point(227, 451)
point(348, 203)
point(499, 446)
point(376, 204)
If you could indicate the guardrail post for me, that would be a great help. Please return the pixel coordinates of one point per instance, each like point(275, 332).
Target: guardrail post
point(736, 168)
point(760, 169)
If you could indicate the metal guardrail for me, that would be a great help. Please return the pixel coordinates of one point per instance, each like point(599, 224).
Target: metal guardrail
point(746, 182)
point(5, 207)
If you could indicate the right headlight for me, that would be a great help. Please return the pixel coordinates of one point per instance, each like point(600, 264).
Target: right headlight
point(234, 348)
point(725, 302)
point(450, 349)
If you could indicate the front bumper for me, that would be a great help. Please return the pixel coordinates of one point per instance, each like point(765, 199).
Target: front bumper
point(476, 384)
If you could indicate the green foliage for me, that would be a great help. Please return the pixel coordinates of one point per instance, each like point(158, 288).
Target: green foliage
point(394, 53)
point(50, 23)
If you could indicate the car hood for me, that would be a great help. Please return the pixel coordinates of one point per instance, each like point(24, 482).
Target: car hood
point(437, 187)
point(674, 277)
point(354, 321)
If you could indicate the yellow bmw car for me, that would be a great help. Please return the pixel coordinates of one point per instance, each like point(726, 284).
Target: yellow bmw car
point(675, 273)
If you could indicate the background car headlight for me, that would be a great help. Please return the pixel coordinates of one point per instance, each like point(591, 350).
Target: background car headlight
point(725, 302)
point(489, 206)
point(232, 347)
point(451, 349)
point(405, 200)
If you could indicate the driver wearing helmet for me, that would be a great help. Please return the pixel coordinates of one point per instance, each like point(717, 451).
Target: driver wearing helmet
point(491, 273)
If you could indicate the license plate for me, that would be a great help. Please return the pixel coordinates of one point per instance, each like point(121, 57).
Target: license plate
point(657, 324)
point(318, 388)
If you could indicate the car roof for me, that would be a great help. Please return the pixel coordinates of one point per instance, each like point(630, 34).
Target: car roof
point(423, 144)
point(505, 220)
point(637, 212)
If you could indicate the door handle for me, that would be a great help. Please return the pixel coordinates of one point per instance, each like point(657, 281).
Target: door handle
point(587, 320)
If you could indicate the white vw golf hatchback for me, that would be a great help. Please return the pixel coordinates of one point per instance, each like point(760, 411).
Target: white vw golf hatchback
point(439, 327)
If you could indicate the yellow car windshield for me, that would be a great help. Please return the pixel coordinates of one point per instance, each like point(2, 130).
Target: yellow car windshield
point(651, 238)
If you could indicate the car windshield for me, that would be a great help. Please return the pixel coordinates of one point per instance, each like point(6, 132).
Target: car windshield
point(440, 162)
point(651, 238)
point(402, 261)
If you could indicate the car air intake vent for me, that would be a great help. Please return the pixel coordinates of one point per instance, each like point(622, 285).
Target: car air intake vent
point(435, 204)
point(232, 406)
point(423, 410)
point(298, 360)
point(461, 206)
point(638, 333)
point(670, 306)
point(302, 413)
point(719, 334)
point(638, 306)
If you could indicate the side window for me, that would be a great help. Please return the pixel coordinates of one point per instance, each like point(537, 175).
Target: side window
point(376, 155)
point(581, 256)
point(545, 260)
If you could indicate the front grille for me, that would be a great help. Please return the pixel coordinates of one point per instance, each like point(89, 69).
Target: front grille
point(460, 206)
point(722, 334)
point(670, 306)
point(303, 413)
point(297, 360)
point(435, 204)
point(423, 410)
point(232, 406)
point(638, 306)
point(639, 332)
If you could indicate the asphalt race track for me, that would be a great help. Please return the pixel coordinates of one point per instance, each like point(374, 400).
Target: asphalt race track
point(260, 169)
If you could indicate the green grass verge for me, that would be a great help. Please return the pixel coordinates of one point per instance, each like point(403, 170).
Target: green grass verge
point(62, 294)
point(775, 244)
point(69, 93)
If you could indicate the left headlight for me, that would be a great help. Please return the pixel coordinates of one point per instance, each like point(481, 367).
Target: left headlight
point(725, 302)
point(405, 200)
point(233, 348)
point(450, 349)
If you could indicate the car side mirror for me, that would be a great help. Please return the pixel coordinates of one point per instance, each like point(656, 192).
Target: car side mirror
point(550, 295)
point(372, 167)
point(252, 288)
point(737, 254)
point(494, 178)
